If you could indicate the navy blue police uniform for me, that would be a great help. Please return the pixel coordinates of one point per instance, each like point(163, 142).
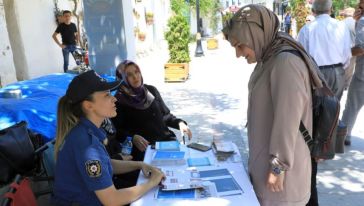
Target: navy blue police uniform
point(83, 166)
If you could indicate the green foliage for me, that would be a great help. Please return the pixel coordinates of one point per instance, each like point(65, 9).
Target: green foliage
point(178, 36)
point(205, 6)
point(179, 6)
point(299, 12)
point(336, 4)
point(342, 4)
point(209, 9)
point(226, 17)
point(215, 15)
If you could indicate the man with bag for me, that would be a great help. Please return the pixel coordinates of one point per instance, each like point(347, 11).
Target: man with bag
point(328, 42)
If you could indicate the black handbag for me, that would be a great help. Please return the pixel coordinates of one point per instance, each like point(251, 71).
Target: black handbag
point(16, 152)
point(325, 115)
point(326, 109)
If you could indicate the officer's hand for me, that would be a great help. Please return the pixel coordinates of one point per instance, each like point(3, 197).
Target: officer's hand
point(156, 176)
point(146, 169)
point(140, 142)
point(275, 182)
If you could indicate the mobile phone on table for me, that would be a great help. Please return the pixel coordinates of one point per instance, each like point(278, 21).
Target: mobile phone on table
point(199, 147)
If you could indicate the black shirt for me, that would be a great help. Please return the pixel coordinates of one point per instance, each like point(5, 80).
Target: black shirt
point(151, 123)
point(67, 33)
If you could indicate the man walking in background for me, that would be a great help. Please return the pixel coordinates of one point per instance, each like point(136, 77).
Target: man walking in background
point(70, 37)
point(288, 22)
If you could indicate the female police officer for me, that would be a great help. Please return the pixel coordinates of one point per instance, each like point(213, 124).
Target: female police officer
point(83, 168)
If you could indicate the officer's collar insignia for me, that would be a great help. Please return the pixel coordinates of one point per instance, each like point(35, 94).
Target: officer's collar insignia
point(93, 168)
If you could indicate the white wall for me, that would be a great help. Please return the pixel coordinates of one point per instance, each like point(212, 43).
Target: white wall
point(31, 25)
point(129, 29)
point(7, 69)
point(161, 16)
point(36, 25)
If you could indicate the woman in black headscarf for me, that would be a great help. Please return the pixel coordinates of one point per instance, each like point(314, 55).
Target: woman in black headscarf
point(142, 113)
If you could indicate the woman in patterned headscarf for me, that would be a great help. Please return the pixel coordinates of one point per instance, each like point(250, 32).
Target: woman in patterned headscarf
point(279, 98)
point(142, 113)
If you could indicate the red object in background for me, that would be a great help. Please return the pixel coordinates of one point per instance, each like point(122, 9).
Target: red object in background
point(21, 194)
point(310, 1)
point(86, 58)
point(234, 8)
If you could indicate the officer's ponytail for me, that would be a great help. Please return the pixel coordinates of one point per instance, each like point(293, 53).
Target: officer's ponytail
point(66, 120)
point(68, 115)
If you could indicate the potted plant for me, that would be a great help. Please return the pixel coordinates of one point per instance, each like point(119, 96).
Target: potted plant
point(177, 36)
point(149, 17)
point(136, 30)
point(141, 35)
point(136, 14)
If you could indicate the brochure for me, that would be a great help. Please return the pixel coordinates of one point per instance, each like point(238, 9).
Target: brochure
point(208, 190)
point(198, 162)
point(224, 182)
point(167, 146)
point(163, 158)
point(181, 180)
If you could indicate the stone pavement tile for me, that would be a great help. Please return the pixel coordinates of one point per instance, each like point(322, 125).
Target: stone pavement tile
point(351, 159)
point(341, 181)
point(351, 199)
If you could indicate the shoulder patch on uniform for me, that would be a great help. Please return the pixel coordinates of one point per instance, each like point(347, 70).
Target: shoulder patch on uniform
point(93, 168)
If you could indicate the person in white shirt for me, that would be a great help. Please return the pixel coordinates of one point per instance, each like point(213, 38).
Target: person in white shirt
point(328, 41)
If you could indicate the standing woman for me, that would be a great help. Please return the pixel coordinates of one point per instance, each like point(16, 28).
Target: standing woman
point(142, 113)
point(83, 173)
point(279, 98)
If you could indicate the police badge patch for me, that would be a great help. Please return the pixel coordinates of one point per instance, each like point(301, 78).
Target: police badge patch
point(93, 168)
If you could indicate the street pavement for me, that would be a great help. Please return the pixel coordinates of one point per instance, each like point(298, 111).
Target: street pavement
point(214, 103)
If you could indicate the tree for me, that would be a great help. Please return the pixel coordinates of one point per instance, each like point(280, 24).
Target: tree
point(209, 9)
point(300, 12)
point(342, 4)
point(336, 4)
point(178, 33)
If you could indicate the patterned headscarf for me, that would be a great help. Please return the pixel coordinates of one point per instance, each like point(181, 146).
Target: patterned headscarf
point(257, 27)
point(138, 98)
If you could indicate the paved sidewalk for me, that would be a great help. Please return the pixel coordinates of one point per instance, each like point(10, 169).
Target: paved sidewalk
point(214, 102)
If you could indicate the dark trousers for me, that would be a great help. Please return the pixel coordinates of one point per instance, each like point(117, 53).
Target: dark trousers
point(314, 198)
point(287, 28)
point(335, 79)
point(66, 53)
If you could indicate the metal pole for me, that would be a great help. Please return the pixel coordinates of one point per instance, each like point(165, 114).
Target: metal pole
point(198, 51)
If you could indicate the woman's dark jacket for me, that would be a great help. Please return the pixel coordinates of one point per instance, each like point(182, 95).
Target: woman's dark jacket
point(151, 123)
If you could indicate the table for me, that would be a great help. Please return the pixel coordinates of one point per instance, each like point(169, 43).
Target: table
point(236, 169)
